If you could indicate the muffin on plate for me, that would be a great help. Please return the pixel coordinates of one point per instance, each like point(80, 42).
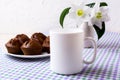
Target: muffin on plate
point(46, 45)
point(13, 46)
point(39, 36)
point(31, 47)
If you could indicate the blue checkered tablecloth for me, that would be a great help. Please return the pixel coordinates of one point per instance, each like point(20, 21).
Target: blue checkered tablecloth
point(106, 66)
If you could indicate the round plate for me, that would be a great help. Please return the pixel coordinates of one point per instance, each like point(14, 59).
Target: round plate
point(29, 56)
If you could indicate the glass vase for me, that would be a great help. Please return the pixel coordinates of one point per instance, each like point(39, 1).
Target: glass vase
point(89, 31)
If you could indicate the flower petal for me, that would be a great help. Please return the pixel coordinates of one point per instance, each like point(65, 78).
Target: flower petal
point(72, 15)
point(99, 24)
point(105, 18)
point(81, 13)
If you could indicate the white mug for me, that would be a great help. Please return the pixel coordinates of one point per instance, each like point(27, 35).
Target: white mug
point(66, 48)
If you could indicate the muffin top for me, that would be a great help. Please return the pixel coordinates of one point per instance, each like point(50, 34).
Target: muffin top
point(32, 44)
point(22, 38)
point(39, 36)
point(13, 43)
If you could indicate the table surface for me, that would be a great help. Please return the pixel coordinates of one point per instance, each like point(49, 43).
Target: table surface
point(105, 67)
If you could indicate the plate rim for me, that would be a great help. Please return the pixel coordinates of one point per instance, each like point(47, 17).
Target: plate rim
point(29, 56)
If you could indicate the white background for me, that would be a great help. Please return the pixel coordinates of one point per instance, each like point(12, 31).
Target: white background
point(27, 16)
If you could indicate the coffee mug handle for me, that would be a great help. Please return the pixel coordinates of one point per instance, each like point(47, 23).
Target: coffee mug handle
point(95, 50)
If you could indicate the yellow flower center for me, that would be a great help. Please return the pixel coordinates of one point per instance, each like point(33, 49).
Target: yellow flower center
point(80, 12)
point(98, 15)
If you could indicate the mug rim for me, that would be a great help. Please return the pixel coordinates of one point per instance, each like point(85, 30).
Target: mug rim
point(66, 30)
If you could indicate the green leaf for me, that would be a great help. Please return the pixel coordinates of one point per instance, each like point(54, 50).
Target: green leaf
point(63, 14)
point(103, 4)
point(91, 5)
point(99, 31)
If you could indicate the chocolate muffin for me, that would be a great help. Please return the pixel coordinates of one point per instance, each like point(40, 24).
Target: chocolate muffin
point(22, 38)
point(32, 47)
point(39, 36)
point(13, 46)
point(46, 45)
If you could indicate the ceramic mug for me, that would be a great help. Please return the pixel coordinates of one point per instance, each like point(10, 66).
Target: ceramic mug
point(66, 46)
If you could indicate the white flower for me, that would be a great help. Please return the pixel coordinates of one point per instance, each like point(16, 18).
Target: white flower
point(80, 13)
point(99, 15)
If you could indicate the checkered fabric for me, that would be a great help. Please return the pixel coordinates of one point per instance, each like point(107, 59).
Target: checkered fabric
point(106, 66)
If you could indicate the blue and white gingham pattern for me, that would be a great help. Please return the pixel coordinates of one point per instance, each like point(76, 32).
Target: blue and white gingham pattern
point(106, 66)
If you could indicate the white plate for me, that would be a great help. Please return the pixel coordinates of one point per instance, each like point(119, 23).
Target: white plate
point(29, 56)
